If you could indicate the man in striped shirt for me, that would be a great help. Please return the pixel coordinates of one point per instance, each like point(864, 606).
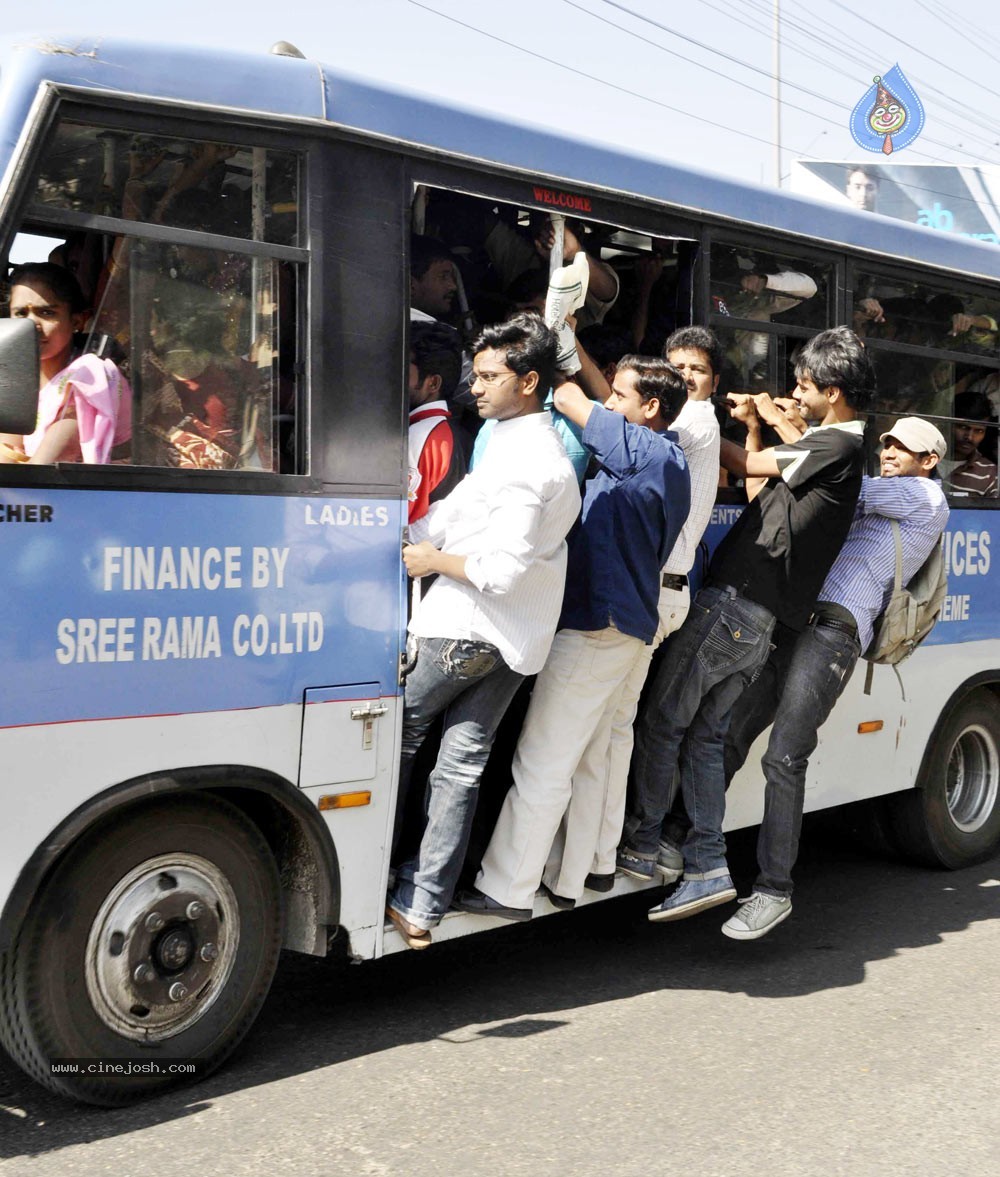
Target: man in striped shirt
point(807, 672)
point(969, 472)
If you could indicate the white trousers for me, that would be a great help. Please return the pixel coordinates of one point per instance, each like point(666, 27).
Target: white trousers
point(561, 768)
point(673, 609)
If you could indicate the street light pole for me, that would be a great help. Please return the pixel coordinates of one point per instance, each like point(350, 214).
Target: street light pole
point(777, 93)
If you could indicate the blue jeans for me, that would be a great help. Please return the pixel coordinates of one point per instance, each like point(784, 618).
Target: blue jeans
point(798, 688)
point(709, 662)
point(472, 685)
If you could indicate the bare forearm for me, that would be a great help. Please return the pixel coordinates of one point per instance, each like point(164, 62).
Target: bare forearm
point(573, 403)
point(60, 441)
point(451, 566)
point(590, 377)
point(424, 559)
point(603, 285)
point(752, 463)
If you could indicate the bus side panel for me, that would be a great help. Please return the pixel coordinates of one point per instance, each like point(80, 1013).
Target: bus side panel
point(147, 632)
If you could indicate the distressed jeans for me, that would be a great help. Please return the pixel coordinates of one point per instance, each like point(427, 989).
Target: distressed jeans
point(472, 685)
point(797, 690)
point(711, 660)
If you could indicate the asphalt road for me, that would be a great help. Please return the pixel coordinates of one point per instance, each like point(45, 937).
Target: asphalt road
point(861, 1037)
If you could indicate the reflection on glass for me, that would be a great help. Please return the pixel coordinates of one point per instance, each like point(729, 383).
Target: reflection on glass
point(925, 316)
point(188, 184)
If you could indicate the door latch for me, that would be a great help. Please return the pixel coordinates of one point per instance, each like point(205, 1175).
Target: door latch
point(368, 714)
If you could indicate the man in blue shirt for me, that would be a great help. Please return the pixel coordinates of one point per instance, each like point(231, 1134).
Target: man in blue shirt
point(633, 510)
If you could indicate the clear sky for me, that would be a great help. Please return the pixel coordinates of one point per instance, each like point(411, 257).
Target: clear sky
point(698, 89)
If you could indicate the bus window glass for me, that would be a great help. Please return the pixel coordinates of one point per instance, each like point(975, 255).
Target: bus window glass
point(208, 386)
point(204, 339)
point(914, 313)
point(767, 287)
point(912, 385)
point(214, 187)
point(747, 366)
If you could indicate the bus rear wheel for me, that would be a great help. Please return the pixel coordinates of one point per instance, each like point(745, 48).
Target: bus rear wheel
point(148, 952)
point(952, 818)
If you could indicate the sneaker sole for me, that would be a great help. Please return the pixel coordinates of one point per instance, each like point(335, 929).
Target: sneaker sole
point(634, 874)
point(754, 933)
point(657, 916)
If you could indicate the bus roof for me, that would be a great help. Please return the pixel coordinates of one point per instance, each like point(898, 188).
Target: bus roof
point(303, 89)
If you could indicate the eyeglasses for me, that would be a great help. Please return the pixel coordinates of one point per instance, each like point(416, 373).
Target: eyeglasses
point(489, 379)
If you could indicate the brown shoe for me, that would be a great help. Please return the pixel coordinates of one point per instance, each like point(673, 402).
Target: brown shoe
point(413, 936)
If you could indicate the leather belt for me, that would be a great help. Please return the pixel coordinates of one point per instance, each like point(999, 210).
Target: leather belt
point(847, 627)
point(670, 580)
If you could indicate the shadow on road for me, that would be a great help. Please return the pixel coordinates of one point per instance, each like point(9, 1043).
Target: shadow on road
point(850, 910)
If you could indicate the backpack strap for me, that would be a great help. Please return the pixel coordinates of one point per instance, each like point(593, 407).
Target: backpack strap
point(897, 585)
point(897, 539)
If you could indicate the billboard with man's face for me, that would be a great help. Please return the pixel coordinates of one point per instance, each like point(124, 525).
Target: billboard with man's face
point(950, 199)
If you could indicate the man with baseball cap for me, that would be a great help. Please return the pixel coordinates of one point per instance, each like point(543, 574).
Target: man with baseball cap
point(804, 677)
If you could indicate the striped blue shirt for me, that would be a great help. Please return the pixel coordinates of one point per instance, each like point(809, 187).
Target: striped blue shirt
point(863, 574)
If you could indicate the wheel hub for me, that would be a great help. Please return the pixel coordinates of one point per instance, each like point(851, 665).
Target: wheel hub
point(973, 778)
point(162, 947)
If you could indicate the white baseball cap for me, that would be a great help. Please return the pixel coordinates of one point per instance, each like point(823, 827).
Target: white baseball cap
point(919, 436)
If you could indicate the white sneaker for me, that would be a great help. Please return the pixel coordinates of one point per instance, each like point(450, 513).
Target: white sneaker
point(567, 290)
point(757, 915)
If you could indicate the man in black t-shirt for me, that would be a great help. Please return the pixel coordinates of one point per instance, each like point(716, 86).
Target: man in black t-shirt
point(766, 572)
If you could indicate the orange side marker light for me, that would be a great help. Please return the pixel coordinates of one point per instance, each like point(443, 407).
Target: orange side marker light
point(344, 800)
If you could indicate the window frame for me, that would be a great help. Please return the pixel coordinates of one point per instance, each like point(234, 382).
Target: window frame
point(157, 118)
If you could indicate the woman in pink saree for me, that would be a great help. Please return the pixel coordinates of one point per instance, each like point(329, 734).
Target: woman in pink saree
point(84, 402)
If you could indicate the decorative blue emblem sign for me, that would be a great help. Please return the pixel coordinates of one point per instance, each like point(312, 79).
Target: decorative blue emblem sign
point(889, 116)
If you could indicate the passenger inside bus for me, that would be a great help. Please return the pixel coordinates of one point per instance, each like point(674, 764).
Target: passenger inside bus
point(202, 407)
point(971, 467)
point(84, 402)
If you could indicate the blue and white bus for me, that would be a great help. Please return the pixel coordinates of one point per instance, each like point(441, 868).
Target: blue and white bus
point(203, 635)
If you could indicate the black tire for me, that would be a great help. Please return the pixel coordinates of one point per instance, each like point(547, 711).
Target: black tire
point(115, 960)
point(952, 818)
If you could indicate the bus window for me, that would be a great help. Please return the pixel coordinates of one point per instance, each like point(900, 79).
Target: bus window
point(202, 324)
point(763, 288)
point(244, 192)
point(912, 312)
point(766, 287)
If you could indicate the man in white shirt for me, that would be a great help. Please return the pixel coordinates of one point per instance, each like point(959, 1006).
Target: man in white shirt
point(497, 544)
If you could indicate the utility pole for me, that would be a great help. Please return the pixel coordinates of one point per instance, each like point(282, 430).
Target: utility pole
point(777, 93)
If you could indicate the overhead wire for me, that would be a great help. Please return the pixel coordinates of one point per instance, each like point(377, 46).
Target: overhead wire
point(825, 41)
point(754, 68)
point(978, 157)
point(645, 97)
point(969, 114)
point(910, 186)
point(923, 52)
point(592, 77)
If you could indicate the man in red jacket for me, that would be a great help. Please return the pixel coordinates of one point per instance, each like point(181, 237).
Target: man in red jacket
point(438, 459)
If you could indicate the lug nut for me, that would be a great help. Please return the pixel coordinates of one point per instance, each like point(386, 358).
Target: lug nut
point(154, 921)
point(208, 952)
point(143, 973)
point(195, 910)
point(177, 991)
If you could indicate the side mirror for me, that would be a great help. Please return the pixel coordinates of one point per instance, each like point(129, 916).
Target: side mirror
point(18, 376)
